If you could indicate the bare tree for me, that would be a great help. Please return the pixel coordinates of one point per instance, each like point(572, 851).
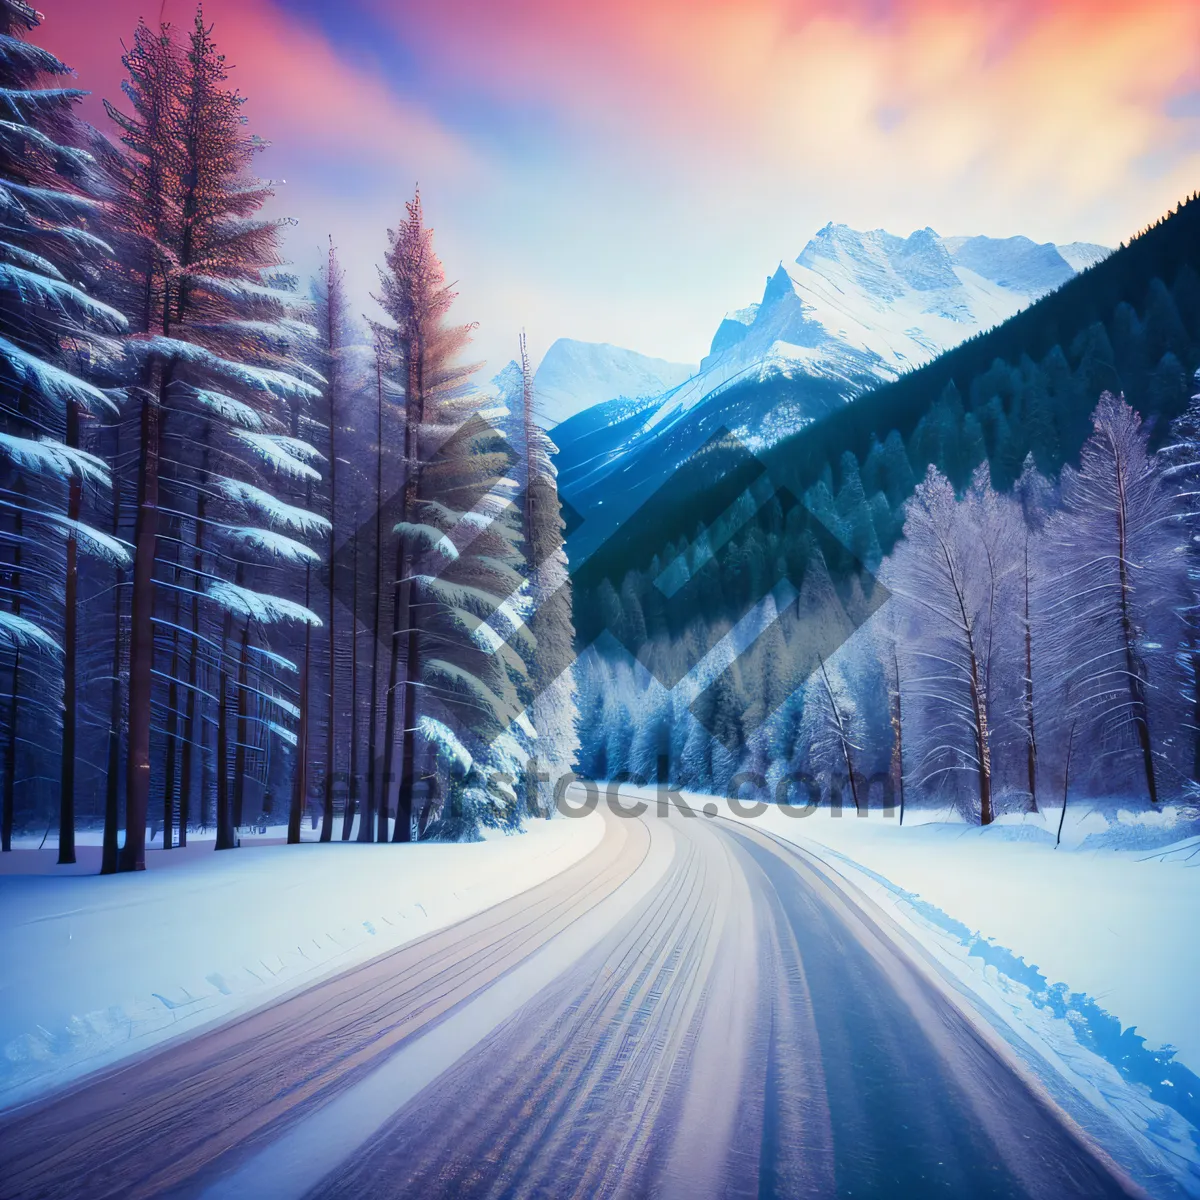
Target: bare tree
point(950, 575)
point(1111, 559)
point(1033, 491)
point(832, 726)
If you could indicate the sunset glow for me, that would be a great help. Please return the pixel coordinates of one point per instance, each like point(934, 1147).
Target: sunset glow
point(539, 131)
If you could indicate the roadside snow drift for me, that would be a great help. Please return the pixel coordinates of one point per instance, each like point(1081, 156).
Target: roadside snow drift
point(93, 969)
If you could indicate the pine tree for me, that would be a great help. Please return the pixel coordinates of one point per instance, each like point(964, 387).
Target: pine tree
point(553, 712)
point(51, 325)
point(216, 368)
point(457, 552)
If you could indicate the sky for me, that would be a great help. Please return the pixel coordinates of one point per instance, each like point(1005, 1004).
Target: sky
point(629, 170)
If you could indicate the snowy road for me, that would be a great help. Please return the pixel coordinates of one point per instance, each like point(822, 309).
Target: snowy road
point(694, 1009)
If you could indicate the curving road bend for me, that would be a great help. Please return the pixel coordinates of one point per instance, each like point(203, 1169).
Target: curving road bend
point(695, 1009)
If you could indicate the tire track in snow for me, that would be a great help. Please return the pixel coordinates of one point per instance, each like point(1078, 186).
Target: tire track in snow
point(208, 1102)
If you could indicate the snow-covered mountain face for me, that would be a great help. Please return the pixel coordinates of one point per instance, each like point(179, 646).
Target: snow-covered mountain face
point(576, 375)
point(865, 307)
point(853, 311)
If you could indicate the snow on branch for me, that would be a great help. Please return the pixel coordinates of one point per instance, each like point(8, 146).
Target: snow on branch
point(236, 412)
point(427, 537)
point(277, 512)
point(277, 545)
point(95, 541)
point(36, 288)
point(447, 746)
point(278, 660)
point(27, 258)
point(50, 380)
point(280, 731)
point(241, 289)
point(281, 453)
point(23, 634)
point(257, 379)
point(49, 457)
point(258, 606)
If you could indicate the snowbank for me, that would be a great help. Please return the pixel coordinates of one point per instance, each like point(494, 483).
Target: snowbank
point(1081, 956)
point(93, 969)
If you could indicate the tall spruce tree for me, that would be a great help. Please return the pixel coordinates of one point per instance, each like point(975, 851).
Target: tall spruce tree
point(216, 369)
point(52, 328)
point(454, 624)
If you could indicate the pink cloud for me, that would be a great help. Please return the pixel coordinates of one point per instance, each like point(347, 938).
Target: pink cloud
point(303, 96)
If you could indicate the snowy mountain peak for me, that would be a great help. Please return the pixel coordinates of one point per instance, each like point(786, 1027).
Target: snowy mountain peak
point(1081, 255)
point(779, 286)
point(853, 310)
point(576, 375)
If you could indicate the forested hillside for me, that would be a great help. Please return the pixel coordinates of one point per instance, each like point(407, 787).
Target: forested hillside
point(986, 426)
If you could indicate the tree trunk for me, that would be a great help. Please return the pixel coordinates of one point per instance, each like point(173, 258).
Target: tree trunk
point(983, 752)
point(300, 774)
point(239, 749)
point(194, 708)
point(331, 711)
point(10, 758)
point(375, 800)
point(224, 824)
point(141, 639)
point(169, 787)
point(352, 782)
point(402, 830)
point(112, 801)
point(1031, 747)
point(982, 745)
point(1195, 710)
point(1134, 669)
point(897, 764)
point(66, 785)
point(1062, 816)
point(413, 416)
point(8, 804)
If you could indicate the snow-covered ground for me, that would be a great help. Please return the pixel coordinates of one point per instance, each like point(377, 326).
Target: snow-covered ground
point(1075, 954)
point(93, 969)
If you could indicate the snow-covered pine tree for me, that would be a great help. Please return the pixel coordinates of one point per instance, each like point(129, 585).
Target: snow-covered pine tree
point(458, 559)
point(1112, 553)
point(215, 371)
point(553, 711)
point(330, 358)
point(375, 812)
point(51, 326)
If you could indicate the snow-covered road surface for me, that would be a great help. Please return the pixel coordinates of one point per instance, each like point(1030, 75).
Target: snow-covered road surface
point(696, 1008)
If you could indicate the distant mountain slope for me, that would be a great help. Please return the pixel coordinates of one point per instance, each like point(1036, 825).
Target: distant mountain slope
point(577, 375)
point(1129, 323)
point(853, 310)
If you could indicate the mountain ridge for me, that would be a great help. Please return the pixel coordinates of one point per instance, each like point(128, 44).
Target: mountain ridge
point(854, 310)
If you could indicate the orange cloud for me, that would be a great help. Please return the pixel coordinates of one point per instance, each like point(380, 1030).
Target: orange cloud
point(1043, 102)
